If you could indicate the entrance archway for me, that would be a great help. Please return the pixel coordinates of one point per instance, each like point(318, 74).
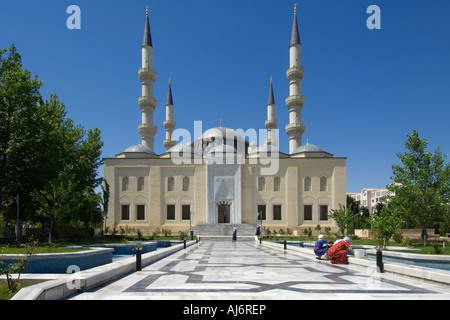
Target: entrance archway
point(223, 212)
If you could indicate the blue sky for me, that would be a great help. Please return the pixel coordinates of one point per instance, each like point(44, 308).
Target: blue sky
point(365, 89)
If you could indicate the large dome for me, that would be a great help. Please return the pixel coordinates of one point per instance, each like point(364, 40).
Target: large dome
point(219, 136)
point(220, 133)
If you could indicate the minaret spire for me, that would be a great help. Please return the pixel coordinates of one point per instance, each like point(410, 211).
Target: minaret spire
point(271, 123)
point(169, 124)
point(147, 102)
point(147, 34)
point(296, 100)
point(295, 37)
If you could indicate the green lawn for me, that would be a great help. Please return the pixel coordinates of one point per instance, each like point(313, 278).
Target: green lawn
point(5, 294)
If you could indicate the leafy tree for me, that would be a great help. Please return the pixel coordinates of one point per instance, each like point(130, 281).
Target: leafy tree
point(385, 224)
point(21, 129)
point(343, 217)
point(47, 159)
point(70, 195)
point(105, 200)
point(360, 213)
point(421, 187)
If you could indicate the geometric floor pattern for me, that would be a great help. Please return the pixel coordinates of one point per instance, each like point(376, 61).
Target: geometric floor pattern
point(223, 270)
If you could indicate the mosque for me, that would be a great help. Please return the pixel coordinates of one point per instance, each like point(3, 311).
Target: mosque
point(222, 181)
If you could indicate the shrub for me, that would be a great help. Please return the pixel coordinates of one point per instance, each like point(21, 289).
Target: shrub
point(398, 237)
point(407, 242)
point(18, 267)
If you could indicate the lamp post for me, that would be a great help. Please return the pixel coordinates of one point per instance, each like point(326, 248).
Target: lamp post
point(138, 256)
point(17, 219)
point(380, 265)
point(190, 225)
point(261, 232)
point(9, 202)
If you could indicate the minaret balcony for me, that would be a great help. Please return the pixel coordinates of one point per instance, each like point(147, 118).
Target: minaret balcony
point(295, 73)
point(271, 124)
point(147, 102)
point(169, 124)
point(147, 74)
point(295, 129)
point(295, 101)
point(169, 144)
point(147, 129)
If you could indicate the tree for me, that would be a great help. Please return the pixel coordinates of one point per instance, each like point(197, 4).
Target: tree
point(344, 218)
point(385, 224)
point(421, 187)
point(21, 128)
point(47, 159)
point(105, 201)
point(70, 196)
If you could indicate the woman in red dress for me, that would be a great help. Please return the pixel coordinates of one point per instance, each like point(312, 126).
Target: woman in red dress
point(338, 252)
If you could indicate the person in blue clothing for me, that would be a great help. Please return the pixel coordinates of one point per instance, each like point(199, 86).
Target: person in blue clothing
point(319, 247)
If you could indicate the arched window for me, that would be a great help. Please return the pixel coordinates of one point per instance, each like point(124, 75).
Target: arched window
point(323, 184)
point(185, 184)
point(261, 184)
point(276, 184)
point(140, 184)
point(170, 184)
point(125, 183)
point(307, 184)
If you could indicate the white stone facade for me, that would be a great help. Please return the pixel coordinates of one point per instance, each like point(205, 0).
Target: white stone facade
point(223, 178)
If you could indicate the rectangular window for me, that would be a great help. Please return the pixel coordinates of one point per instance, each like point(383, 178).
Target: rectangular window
point(186, 212)
point(323, 213)
point(140, 212)
point(261, 212)
point(125, 212)
point(277, 212)
point(170, 212)
point(308, 212)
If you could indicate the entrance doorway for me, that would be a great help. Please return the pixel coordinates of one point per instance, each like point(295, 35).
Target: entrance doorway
point(223, 210)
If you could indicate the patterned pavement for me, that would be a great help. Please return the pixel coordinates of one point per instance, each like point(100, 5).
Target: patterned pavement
point(225, 270)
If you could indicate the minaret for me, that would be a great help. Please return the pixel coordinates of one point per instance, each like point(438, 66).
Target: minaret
point(271, 123)
point(147, 102)
point(296, 100)
point(169, 124)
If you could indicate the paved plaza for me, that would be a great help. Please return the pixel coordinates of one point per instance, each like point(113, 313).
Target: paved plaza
point(247, 270)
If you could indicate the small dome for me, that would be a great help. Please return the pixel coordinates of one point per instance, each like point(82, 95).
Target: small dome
point(308, 148)
point(140, 148)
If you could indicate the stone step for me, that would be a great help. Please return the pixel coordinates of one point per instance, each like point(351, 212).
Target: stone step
point(226, 238)
point(224, 229)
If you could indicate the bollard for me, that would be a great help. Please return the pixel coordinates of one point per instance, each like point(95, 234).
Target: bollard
point(380, 266)
point(138, 256)
point(185, 243)
point(285, 244)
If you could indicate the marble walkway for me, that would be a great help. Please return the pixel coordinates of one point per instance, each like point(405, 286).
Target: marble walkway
point(225, 270)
